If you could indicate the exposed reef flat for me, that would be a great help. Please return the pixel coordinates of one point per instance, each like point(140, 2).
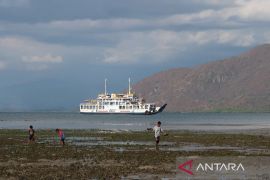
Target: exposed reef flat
point(100, 154)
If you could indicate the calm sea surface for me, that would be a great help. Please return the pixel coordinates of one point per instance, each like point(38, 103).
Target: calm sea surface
point(183, 121)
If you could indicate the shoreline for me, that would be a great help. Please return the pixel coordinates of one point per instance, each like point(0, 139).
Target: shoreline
point(250, 131)
point(122, 154)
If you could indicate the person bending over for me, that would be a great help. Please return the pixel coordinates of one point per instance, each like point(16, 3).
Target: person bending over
point(61, 136)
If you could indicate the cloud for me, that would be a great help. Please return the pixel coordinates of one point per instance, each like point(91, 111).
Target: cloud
point(40, 63)
point(130, 47)
point(239, 10)
point(22, 52)
point(219, 3)
point(86, 24)
point(163, 45)
point(148, 47)
point(136, 40)
point(236, 14)
point(233, 37)
point(13, 3)
point(230, 14)
point(253, 10)
point(42, 59)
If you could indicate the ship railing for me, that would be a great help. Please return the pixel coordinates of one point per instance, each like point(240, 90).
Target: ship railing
point(90, 101)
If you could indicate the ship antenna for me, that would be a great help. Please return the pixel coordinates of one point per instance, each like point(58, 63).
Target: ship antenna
point(129, 86)
point(105, 86)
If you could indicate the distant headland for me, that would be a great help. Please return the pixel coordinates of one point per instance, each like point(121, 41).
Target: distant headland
point(236, 84)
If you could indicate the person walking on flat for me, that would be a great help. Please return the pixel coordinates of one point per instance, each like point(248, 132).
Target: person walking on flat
point(157, 130)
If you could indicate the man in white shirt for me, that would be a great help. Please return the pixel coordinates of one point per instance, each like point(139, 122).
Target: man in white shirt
point(158, 130)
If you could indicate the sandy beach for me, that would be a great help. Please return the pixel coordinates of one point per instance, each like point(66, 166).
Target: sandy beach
point(97, 154)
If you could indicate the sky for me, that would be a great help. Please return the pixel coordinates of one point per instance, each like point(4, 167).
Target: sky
point(55, 53)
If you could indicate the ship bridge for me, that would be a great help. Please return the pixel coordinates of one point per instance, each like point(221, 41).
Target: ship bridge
point(118, 103)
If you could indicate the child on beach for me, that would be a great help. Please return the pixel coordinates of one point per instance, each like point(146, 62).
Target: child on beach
point(158, 130)
point(61, 136)
point(31, 133)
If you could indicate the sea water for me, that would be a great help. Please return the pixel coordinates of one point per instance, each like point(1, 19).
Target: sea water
point(172, 121)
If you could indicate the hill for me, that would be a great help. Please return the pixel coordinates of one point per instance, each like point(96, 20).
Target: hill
point(239, 83)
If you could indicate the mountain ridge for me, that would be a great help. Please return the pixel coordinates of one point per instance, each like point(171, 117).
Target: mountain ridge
point(239, 83)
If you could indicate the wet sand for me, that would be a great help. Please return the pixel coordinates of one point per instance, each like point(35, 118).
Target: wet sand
point(96, 154)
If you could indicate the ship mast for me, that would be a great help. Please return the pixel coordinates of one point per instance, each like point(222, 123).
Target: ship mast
point(129, 86)
point(105, 86)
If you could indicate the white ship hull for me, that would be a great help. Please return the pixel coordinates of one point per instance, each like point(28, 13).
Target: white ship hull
point(118, 111)
point(112, 112)
point(119, 104)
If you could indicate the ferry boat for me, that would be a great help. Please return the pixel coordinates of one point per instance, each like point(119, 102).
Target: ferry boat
point(114, 103)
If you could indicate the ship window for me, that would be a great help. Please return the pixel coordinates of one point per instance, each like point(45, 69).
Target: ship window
point(112, 103)
point(81, 107)
point(116, 103)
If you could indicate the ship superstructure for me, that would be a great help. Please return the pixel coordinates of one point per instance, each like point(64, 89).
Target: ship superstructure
point(119, 103)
